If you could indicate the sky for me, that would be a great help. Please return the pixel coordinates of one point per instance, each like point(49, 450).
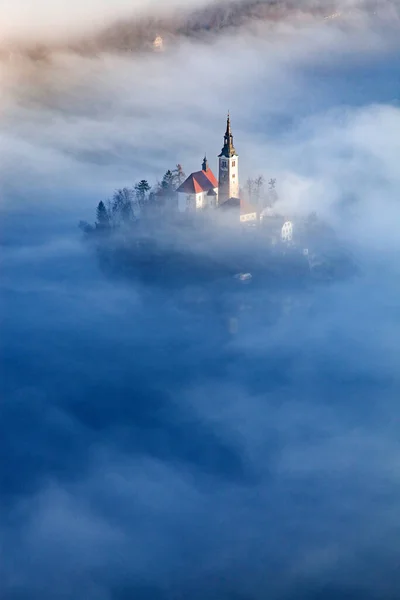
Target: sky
point(145, 452)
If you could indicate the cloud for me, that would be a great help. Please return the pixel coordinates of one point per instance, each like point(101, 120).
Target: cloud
point(29, 20)
point(44, 22)
point(147, 452)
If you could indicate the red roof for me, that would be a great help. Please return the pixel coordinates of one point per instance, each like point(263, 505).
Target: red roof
point(201, 181)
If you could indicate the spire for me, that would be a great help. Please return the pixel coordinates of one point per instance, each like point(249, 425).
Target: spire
point(228, 150)
point(204, 166)
point(228, 126)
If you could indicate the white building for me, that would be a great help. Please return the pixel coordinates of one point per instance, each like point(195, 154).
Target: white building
point(199, 190)
point(228, 177)
point(202, 190)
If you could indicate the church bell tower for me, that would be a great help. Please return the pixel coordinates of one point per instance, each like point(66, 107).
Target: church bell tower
point(228, 180)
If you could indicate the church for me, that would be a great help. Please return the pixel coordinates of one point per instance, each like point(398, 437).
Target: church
point(202, 190)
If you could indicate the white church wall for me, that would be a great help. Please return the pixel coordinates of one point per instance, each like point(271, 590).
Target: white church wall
point(211, 201)
point(186, 202)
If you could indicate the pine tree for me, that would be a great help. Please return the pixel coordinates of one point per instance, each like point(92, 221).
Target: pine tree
point(102, 216)
point(167, 183)
point(141, 190)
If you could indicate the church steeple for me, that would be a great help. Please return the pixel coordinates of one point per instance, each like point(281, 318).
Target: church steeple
point(204, 166)
point(228, 180)
point(228, 125)
point(228, 150)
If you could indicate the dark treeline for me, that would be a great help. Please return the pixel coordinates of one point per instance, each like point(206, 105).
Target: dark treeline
point(138, 34)
point(139, 232)
point(129, 203)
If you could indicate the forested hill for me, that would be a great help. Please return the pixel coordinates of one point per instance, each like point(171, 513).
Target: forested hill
point(137, 33)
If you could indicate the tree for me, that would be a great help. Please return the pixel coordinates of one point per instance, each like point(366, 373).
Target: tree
point(121, 206)
point(85, 227)
point(167, 189)
point(178, 176)
point(258, 186)
point(141, 190)
point(167, 183)
point(249, 188)
point(102, 216)
point(272, 194)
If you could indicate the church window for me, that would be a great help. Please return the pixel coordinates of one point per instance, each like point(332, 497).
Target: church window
point(234, 163)
point(233, 176)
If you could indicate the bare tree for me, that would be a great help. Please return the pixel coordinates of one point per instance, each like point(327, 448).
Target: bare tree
point(122, 206)
point(258, 189)
point(250, 189)
point(178, 176)
point(272, 193)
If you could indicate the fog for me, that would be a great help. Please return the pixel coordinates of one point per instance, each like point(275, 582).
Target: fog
point(49, 20)
point(146, 453)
